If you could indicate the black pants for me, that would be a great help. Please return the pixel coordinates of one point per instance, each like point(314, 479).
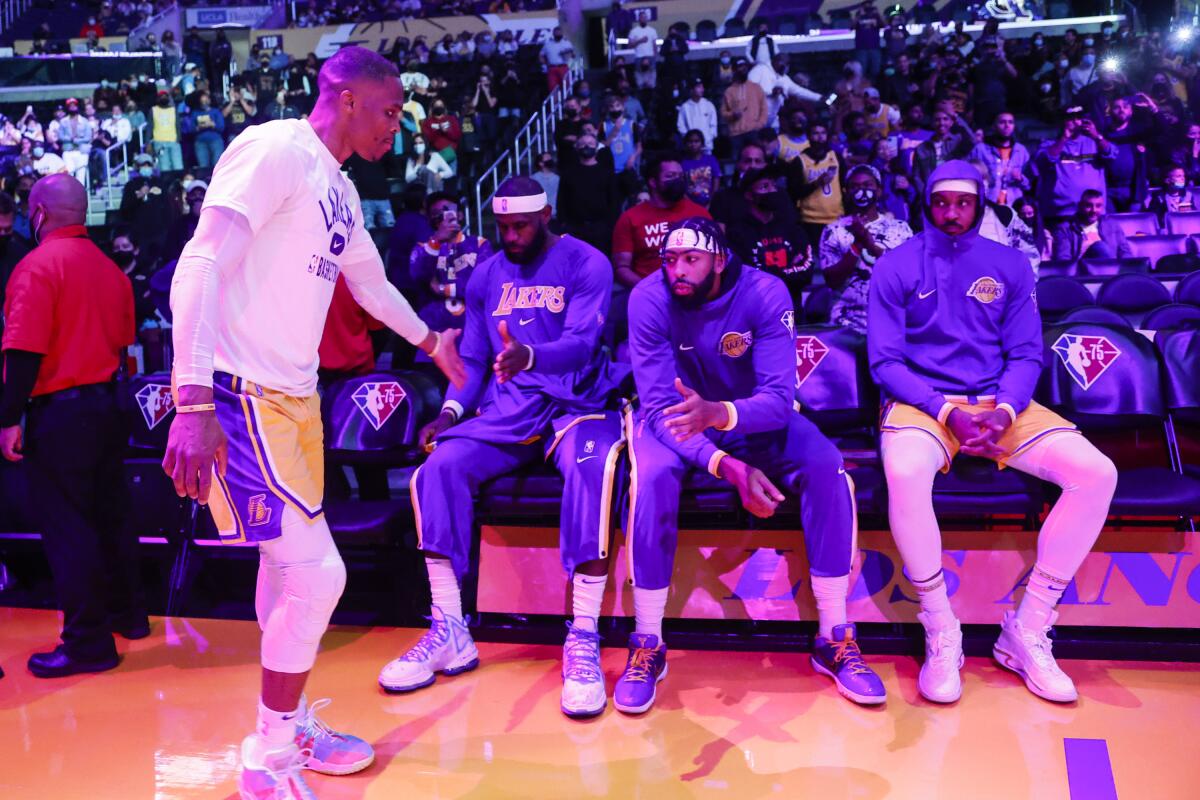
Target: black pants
point(74, 443)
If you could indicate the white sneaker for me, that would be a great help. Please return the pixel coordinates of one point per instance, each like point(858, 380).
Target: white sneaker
point(1027, 652)
point(447, 648)
point(273, 775)
point(583, 692)
point(940, 681)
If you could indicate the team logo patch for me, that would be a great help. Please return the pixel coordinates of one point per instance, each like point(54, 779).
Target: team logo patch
point(337, 244)
point(378, 401)
point(590, 447)
point(734, 344)
point(789, 320)
point(810, 352)
point(986, 290)
point(156, 403)
point(258, 513)
point(1085, 357)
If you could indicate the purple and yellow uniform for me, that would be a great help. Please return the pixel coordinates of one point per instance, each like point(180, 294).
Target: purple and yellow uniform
point(556, 408)
point(738, 348)
point(451, 265)
point(953, 322)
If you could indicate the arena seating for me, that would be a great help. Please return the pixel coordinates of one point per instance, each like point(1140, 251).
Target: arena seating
point(1134, 296)
point(1186, 223)
point(1058, 294)
point(1136, 223)
point(1188, 290)
point(1172, 316)
point(1157, 246)
point(1113, 266)
point(1096, 314)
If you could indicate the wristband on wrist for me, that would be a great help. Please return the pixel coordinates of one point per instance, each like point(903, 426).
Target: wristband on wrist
point(437, 344)
point(196, 409)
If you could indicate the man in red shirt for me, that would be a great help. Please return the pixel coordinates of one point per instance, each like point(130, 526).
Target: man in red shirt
point(69, 315)
point(443, 131)
point(638, 238)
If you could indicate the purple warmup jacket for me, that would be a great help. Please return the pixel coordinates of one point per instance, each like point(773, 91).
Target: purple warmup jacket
point(738, 347)
point(954, 315)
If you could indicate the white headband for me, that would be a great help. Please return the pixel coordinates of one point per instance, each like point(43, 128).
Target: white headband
point(956, 185)
point(690, 239)
point(524, 204)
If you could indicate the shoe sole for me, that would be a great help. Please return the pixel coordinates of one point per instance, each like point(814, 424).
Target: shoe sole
point(584, 713)
point(38, 673)
point(340, 769)
point(861, 699)
point(961, 661)
point(448, 671)
point(1008, 662)
point(642, 709)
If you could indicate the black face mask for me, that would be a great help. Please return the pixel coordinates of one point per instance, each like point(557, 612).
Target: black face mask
point(863, 198)
point(586, 152)
point(164, 102)
point(122, 258)
point(673, 190)
point(764, 200)
point(439, 111)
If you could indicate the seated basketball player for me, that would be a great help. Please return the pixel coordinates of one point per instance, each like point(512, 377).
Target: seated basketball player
point(537, 388)
point(714, 357)
point(955, 341)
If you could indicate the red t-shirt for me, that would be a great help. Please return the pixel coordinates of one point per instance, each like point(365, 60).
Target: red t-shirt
point(641, 231)
point(71, 303)
point(346, 344)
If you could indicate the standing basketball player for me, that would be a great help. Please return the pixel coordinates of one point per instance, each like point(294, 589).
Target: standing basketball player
point(955, 341)
point(540, 382)
point(250, 296)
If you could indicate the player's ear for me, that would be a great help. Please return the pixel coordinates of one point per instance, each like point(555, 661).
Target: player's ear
point(347, 98)
point(719, 262)
point(547, 214)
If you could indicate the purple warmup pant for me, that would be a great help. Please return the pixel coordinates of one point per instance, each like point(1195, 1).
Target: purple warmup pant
point(586, 449)
point(798, 460)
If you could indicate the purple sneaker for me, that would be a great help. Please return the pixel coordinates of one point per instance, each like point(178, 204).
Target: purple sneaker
point(647, 665)
point(330, 752)
point(840, 659)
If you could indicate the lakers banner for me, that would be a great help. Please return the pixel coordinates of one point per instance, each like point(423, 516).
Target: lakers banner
point(1134, 579)
point(527, 28)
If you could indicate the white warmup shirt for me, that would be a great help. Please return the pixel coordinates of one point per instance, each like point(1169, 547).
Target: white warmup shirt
point(269, 311)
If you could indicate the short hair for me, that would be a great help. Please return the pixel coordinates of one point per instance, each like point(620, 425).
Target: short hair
point(705, 226)
point(753, 176)
point(354, 63)
point(7, 204)
point(654, 164)
point(122, 231)
point(519, 186)
point(813, 124)
point(441, 197)
point(1090, 194)
point(749, 144)
point(414, 197)
point(694, 132)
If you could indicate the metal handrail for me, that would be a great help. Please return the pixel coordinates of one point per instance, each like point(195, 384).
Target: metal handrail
point(535, 136)
point(10, 11)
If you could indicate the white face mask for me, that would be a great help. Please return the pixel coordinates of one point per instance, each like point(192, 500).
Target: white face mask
point(418, 149)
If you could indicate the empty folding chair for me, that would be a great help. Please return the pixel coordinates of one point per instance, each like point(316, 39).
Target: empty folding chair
point(1183, 222)
point(1134, 296)
point(1061, 268)
point(734, 27)
point(706, 30)
point(1113, 266)
point(1171, 317)
point(1136, 223)
point(1056, 295)
point(1188, 290)
point(1097, 315)
point(1155, 247)
point(1179, 263)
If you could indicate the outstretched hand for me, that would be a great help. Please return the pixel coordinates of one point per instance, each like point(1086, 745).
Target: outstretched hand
point(694, 415)
point(448, 360)
point(513, 358)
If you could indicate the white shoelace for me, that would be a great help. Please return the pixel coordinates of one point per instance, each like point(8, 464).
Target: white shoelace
point(1038, 644)
point(582, 656)
point(437, 636)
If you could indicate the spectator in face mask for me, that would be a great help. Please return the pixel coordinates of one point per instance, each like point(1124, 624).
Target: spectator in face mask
point(851, 245)
point(145, 206)
point(183, 228)
point(1174, 197)
point(1083, 73)
point(125, 254)
point(427, 167)
point(46, 162)
point(588, 195)
point(443, 132)
point(767, 239)
point(547, 177)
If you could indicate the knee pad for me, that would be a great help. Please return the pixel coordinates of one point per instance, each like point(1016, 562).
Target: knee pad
point(310, 594)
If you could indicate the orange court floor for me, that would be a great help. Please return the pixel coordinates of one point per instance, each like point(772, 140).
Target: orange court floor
point(166, 724)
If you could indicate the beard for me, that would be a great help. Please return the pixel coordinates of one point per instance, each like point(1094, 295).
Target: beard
point(527, 255)
point(699, 294)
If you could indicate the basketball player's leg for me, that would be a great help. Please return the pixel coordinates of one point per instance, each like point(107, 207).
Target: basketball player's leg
point(588, 455)
point(443, 493)
point(912, 457)
point(807, 464)
point(1088, 479)
point(652, 533)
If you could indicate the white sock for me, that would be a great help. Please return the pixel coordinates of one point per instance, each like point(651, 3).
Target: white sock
point(1041, 596)
point(277, 728)
point(830, 594)
point(934, 599)
point(586, 597)
point(649, 606)
point(443, 587)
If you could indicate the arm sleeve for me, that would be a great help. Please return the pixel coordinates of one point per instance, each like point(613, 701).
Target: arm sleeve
point(369, 285)
point(587, 307)
point(774, 354)
point(886, 339)
point(475, 348)
point(20, 376)
point(1021, 338)
point(654, 374)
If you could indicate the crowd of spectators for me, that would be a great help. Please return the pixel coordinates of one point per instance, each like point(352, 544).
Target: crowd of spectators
point(812, 171)
point(336, 12)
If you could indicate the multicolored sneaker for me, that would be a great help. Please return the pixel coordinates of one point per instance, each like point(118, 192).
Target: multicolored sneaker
point(840, 659)
point(636, 689)
point(447, 648)
point(274, 775)
point(583, 692)
point(332, 753)
point(1027, 652)
point(940, 680)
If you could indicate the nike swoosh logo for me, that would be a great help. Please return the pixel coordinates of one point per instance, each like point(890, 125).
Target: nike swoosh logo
point(686, 347)
point(842, 471)
point(585, 458)
point(527, 321)
point(923, 295)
